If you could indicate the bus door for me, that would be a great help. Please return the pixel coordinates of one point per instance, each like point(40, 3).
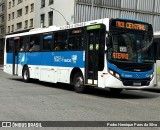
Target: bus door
point(15, 55)
point(94, 54)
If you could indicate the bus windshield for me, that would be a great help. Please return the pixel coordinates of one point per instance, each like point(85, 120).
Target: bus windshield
point(131, 47)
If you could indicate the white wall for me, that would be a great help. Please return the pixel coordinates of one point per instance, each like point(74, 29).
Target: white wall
point(66, 7)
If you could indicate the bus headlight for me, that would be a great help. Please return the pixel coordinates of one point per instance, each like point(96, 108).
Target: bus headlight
point(117, 76)
point(151, 76)
point(111, 72)
point(114, 74)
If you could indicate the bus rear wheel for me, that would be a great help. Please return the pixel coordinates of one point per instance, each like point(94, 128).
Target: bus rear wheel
point(26, 75)
point(79, 83)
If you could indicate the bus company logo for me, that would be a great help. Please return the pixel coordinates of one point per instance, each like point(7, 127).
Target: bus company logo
point(57, 58)
point(74, 58)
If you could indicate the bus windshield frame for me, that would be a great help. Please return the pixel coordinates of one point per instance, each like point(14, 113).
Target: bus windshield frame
point(131, 44)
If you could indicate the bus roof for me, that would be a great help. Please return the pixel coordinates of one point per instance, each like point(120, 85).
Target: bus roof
point(54, 28)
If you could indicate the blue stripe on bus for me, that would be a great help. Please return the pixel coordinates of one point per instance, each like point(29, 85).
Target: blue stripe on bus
point(62, 59)
point(9, 58)
point(128, 74)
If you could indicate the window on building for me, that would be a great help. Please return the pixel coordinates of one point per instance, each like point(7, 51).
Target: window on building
point(9, 5)
point(9, 17)
point(2, 8)
point(19, 12)
point(50, 18)
point(26, 24)
point(12, 15)
point(26, 10)
point(42, 20)
point(20, 1)
point(2, 18)
point(50, 2)
point(1, 30)
point(13, 3)
point(19, 25)
point(31, 23)
point(12, 28)
point(8, 29)
point(42, 3)
point(32, 7)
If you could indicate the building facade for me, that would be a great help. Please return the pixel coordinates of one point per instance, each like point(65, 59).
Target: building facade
point(84, 10)
point(20, 15)
point(26, 14)
point(2, 28)
point(2, 18)
point(145, 10)
point(53, 12)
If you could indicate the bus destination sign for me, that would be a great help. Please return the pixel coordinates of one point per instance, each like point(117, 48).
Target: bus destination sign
point(131, 25)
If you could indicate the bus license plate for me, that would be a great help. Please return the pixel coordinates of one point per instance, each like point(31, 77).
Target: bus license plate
point(136, 84)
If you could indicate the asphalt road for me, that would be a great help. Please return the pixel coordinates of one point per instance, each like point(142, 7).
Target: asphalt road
point(41, 101)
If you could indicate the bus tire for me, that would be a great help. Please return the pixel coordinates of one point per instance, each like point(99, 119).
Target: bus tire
point(79, 83)
point(26, 75)
point(115, 90)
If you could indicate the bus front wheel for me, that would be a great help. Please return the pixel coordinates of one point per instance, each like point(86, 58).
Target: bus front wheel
point(26, 75)
point(79, 83)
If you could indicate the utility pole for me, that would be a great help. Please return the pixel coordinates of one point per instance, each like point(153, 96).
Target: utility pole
point(67, 23)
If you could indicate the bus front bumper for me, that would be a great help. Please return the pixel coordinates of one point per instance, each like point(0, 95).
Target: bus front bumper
point(112, 82)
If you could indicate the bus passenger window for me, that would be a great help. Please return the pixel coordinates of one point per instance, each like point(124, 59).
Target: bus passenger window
point(76, 43)
point(22, 46)
point(76, 39)
point(47, 42)
point(60, 41)
point(34, 43)
point(9, 46)
point(26, 43)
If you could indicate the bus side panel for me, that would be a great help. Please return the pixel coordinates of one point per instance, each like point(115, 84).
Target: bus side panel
point(32, 60)
point(9, 63)
point(47, 71)
point(65, 62)
point(52, 66)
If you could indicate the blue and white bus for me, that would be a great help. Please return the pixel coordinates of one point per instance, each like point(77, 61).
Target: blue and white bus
point(106, 53)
